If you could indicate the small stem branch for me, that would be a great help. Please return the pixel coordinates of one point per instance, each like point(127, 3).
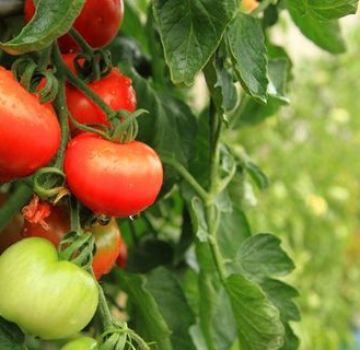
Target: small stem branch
point(79, 84)
point(103, 309)
point(15, 203)
point(182, 171)
point(44, 59)
point(85, 47)
point(75, 215)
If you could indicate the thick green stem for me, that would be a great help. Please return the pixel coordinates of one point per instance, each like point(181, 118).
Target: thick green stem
point(182, 171)
point(15, 203)
point(63, 114)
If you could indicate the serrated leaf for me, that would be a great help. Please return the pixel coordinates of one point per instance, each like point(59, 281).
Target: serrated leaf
point(190, 32)
point(258, 321)
point(328, 9)
point(233, 230)
point(173, 306)
point(281, 294)
point(52, 19)
point(278, 78)
point(214, 304)
point(170, 128)
point(257, 175)
point(11, 337)
point(246, 42)
point(325, 34)
point(261, 256)
point(220, 82)
point(148, 319)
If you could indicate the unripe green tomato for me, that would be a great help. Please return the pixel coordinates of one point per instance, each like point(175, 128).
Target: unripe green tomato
point(83, 343)
point(46, 297)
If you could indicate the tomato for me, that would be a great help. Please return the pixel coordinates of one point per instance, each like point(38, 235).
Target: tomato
point(29, 132)
point(113, 179)
point(12, 232)
point(83, 343)
point(108, 247)
point(115, 89)
point(46, 297)
point(98, 22)
point(107, 237)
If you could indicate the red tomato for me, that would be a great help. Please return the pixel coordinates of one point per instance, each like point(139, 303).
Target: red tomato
point(113, 179)
point(115, 89)
point(12, 232)
point(98, 22)
point(107, 237)
point(29, 131)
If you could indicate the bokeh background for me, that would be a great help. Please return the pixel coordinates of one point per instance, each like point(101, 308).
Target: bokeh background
point(310, 152)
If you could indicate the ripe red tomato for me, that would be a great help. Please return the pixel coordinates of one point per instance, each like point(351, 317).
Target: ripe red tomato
point(107, 237)
point(98, 22)
point(113, 179)
point(29, 131)
point(12, 231)
point(115, 89)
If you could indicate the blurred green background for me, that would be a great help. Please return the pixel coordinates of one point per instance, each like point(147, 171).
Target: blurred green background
point(311, 153)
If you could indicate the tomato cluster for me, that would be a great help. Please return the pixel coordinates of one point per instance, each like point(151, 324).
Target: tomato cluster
point(110, 175)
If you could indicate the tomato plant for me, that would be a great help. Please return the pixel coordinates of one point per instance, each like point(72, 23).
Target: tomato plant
point(30, 290)
point(98, 22)
point(158, 113)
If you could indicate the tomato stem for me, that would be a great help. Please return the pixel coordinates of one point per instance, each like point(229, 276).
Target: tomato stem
point(63, 113)
point(183, 172)
point(15, 203)
point(85, 47)
point(79, 84)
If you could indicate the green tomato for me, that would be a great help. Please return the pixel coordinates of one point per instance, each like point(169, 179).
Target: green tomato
point(46, 297)
point(83, 343)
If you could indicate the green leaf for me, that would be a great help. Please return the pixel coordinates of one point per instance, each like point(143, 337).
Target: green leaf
point(220, 82)
point(261, 256)
point(170, 128)
point(258, 321)
point(11, 337)
point(233, 230)
point(214, 304)
point(147, 316)
point(257, 175)
point(281, 295)
point(328, 9)
point(190, 32)
point(52, 19)
point(173, 306)
point(246, 43)
point(325, 34)
point(133, 26)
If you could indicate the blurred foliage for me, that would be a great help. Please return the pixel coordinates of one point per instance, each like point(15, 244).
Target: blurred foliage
point(310, 152)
